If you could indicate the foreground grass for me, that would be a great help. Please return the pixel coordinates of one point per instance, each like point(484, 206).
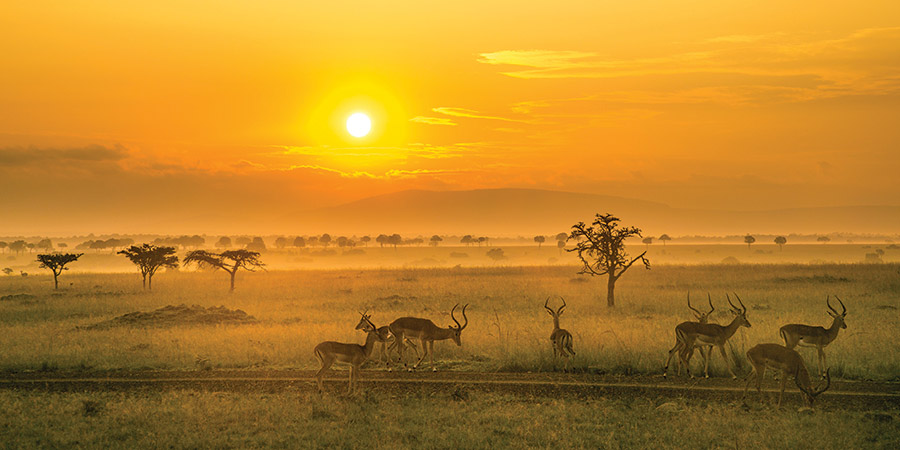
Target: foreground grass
point(188, 419)
point(508, 327)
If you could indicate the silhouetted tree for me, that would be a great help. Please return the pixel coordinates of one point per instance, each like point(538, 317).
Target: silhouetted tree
point(242, 241)
point(56, 262)
point(62, 245)
point(44, 244)
point(299, 242)
point(823, 239)
point(149, 258)
point(496, 254)
point(381, 240)
point(230, 261)
point(256, 245)
point(540, 240)
point(395, 240)
point(749, 240)
point(223, 242)
point(467, 239)
point(342, 241)
point(560, 245)
point(30, 246)
point(562, 237)
point(482, 240)
point(647, 241)
point(601, 248)
point(3, 245)
point(365, 240)
point(435, 240)
point(781, 240)
point(665, 238)
point(18, 246)
point(325, 239)
point(281, 242)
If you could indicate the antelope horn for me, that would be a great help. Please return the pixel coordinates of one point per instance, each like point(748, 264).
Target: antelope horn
point(842, 305)
point(743, 308)
point(559, 311)
point(454, 317)
point(464, 317)
point(711, 307)
point(828, 303)
point(696, 312)
point(827, 382)
point(735, 308)
point(547, 307)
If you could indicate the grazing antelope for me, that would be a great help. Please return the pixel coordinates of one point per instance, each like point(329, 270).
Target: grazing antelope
point(702, 317)
point(560, 340)
point(696, 334)
point(354, 354)
point(426, 332)
point(386, 339)
point(818, 337)
point(786, 361)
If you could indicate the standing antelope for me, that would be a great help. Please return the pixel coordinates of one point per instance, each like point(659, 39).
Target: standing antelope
point(818, 337)
point(695, 334)
point(702, 317)
point(426, 332)
point(560, 340)
point(386, 339)
point(354, 354)
point(789, 363)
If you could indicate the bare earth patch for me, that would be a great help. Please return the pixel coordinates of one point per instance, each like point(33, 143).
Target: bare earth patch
point(178, 315)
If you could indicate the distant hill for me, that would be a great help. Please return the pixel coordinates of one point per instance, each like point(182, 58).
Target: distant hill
point(509, 212)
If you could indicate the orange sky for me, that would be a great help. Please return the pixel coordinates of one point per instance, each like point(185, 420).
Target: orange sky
point(118, 113)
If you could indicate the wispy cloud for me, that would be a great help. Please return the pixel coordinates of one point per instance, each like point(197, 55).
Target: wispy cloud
point(20, 156)
point(471, 114)
point(433, 120)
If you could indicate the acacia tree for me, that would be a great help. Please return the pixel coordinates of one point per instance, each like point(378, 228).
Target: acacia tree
point(540, 240)
point(435, 240)
point(601, 248)
point(748, 239)
point(665, 238)
point(781, 240)
point(149, 258)
point(229, 261)
point(56, 262)
point(647, 241)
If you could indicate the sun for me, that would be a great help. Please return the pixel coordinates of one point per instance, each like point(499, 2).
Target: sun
point(358, 125)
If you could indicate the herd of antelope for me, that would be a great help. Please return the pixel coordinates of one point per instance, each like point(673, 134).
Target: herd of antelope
point(690, 335)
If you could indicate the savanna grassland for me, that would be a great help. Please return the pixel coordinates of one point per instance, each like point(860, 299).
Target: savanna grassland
point(44, 332)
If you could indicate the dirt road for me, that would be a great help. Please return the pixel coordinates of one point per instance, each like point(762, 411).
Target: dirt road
point(842, 395)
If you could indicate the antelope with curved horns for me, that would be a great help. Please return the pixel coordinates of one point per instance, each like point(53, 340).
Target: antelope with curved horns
point(329, 352)
point(789, 363)
point(819, 337)
point(702, 317)
point(713, 335)
point(560, 339)
point(427, 332)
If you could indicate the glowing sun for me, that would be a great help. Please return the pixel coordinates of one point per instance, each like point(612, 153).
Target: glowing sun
point(358, 125)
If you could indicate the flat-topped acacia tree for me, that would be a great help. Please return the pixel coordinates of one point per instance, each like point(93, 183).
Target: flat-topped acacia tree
point(56, 262)
point(149, 258)
point(601, 247)
point(229, 261)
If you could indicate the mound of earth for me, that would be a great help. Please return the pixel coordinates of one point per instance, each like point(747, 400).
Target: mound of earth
point(179, 315)
point(17, 298)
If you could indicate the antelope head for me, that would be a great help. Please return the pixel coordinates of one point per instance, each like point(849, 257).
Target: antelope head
point(457, 331)
point(838, 317)
point(558, 312)
point(702, 317)
point(740, 312)
point(364, 323)
point(811, 393)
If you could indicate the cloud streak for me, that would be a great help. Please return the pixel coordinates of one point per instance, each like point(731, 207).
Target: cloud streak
point(433, 120)
point(23, 156)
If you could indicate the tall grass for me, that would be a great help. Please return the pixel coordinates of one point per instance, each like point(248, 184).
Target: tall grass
point(508, 328)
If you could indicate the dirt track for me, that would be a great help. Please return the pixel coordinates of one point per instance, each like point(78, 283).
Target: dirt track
point(843, 394)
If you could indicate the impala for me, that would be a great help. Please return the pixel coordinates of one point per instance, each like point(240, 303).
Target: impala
point(560, 340)
point(354, 354)
point(702, 317)
point(386, 339)
point(786, 361)
point(818, 337)
point(696, 334)
point(426, 332)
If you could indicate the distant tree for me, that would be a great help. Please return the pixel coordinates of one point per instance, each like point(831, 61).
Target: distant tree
point(256, 245)
point(560, 245)
point(467, 239)
point(30, 246)
point(44, 244)
point(823, 239)
point(665, 238)
point(242, 241)
point(3, 246)
point(601, 248)
point(230, 261)
point(395, 240)
point(149, 258)
point(62, 245)
point(325, 239)
point(18, 246)
point(415, 241)
point(312, 241)
point(223, 242)
point(341, 241)
point(749, 240)
point(56, 262)
point(281, 242)
point(8, 271)
point(435, 240)
point(540, 240)
point(382, 239)
point(299, 242)
point(562, 236)
point(496, 254)
point(647, 241)
point(365, 240)
point(781, 240)
point(482, 240)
